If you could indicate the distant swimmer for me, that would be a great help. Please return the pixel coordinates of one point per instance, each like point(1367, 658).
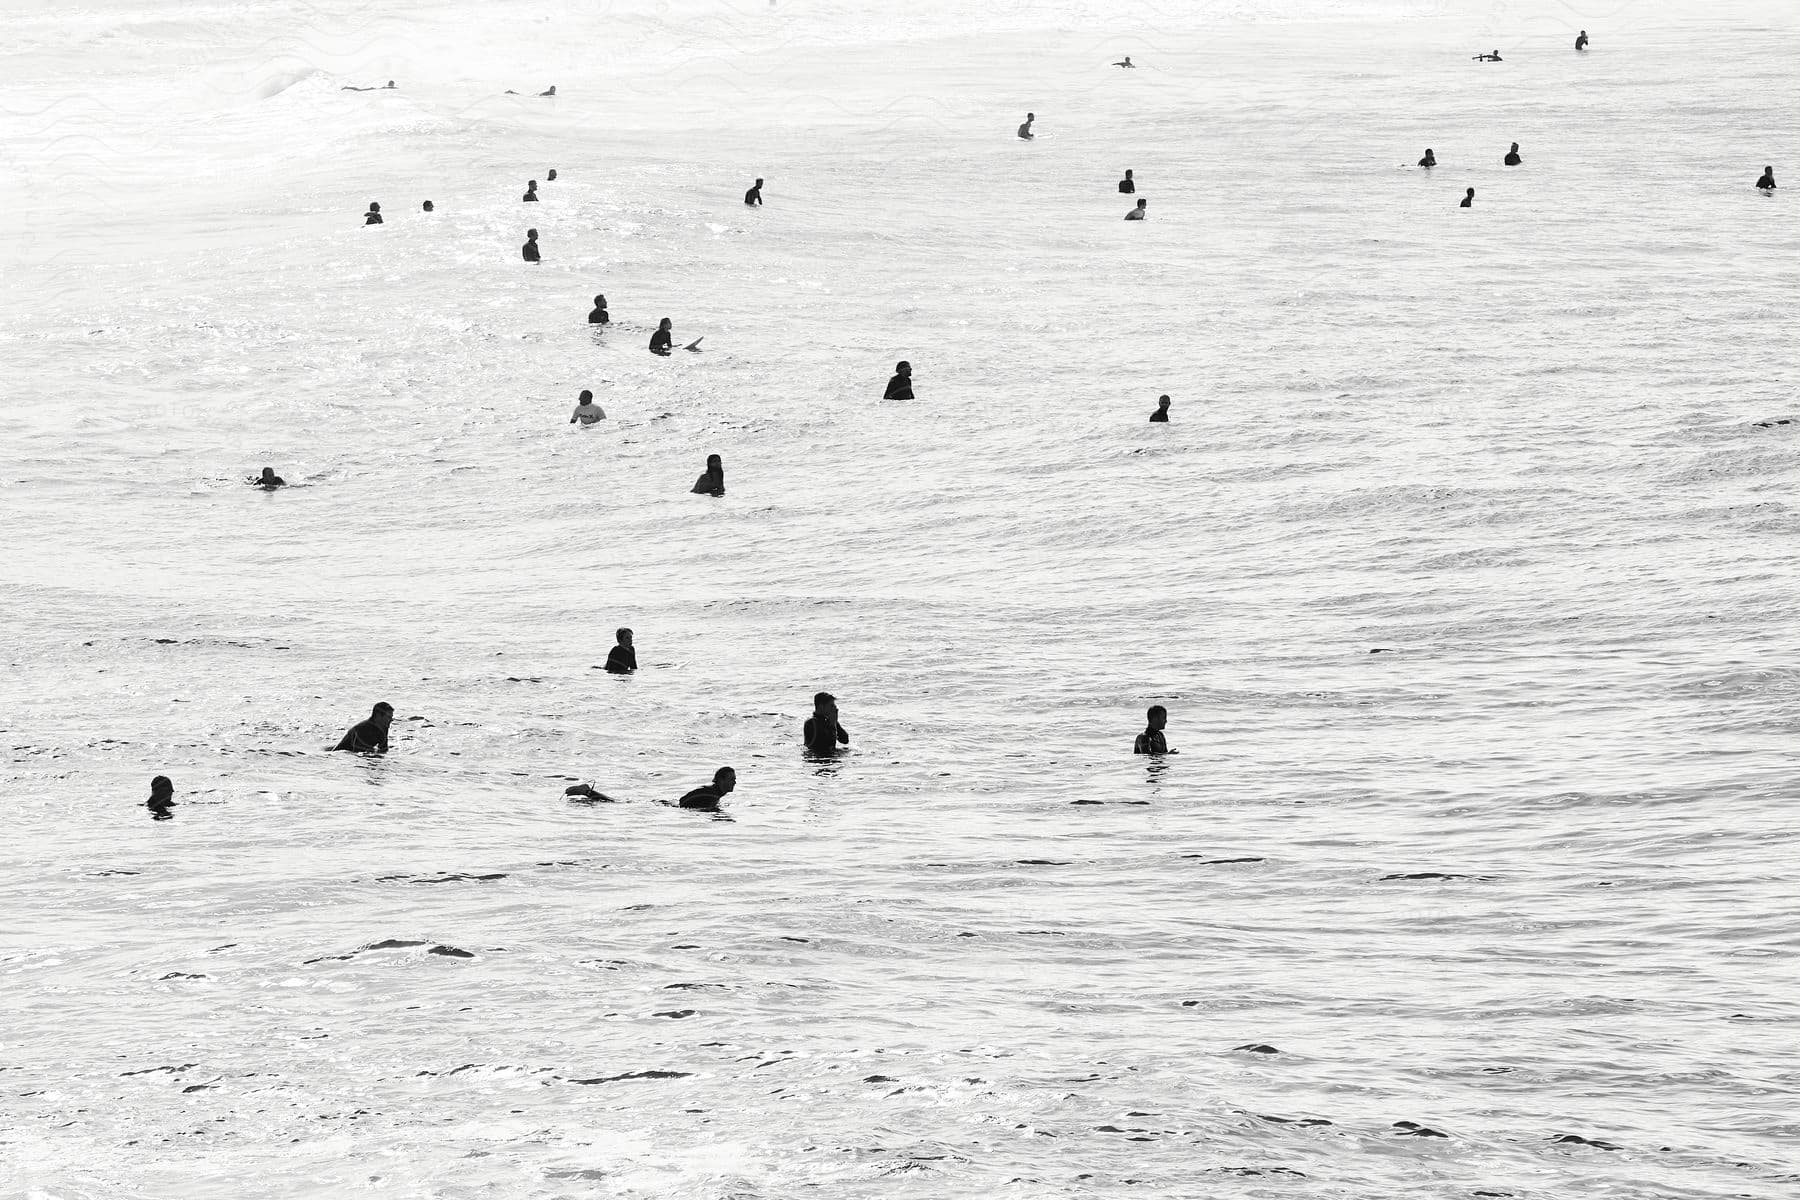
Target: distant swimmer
point(1126, 63)
point(549, 91)
point(753, 197)
point(586, 411)
point(530, 248)
point(708, 797)
point(348, 88)
point(900, 386)
point(1494, 57)
point(370, 736)
point(1468, 200)
point(1152, 741)
point(1025, 129)
point(268, 480)
point(822, 732)
point(659, 341)
point(530, 196)
point(1137, 214)
point(1430, 159)
point(550, 175)
point(1127, 185)
point(373, 216)
point(1512, 156)
point(1161, 415)
point(623, 659)
point(1767, 182)
point(599, 316)
point(1581, 40)
point(585, 791)
point(428, 206)
point(712, 480)
point(162, 799)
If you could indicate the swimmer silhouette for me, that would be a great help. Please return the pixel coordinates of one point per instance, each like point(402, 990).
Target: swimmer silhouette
point(550, 176)
point(370, 736)
point(268, 479)
point(1494, 57)
point(549, 91)
point(1430, 159)
point(1126, 63)
point(623, 659)
point(822, 733)
point(428, 206)
point(390, 83)
point(712, 480)
point(586, 411)
point(708, 796)
point(1127, 185)
point(585, 791)
point(530, 248)
point(599, 316)
point(1161, 415)
point(659, 341)
point(1581, 40)
point(531, 195)
point(754, 195)
point(1468, 200)
point(900, 386)
point(1137, 214)
point(1767, 182)
point(162, 799)
point(373, 216)
point(1512, 156)
point(1025, 129)
point(1151, 741)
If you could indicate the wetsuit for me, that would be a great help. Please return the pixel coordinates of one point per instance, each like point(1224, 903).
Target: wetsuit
point(1512, 158)
point(1160, 416)
point(1151, 741)
point(708, 485)
point(1136, 214)
point(530, 197)
point(898, 388)
point(363, 737)
point(707, 797)
point(1127, 187)
point(1767, 182)
point(622, 661)
point(373, 218)
point(530, 251)
point(274, 482)
point(599, 317)
point(822, 737)
point(659, 342)
point(753, 196)
point(1430, 160)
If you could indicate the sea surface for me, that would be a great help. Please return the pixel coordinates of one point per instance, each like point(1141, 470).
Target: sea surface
point(1465, 569)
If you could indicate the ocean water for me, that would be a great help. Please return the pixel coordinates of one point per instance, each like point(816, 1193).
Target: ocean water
point(1524, 876)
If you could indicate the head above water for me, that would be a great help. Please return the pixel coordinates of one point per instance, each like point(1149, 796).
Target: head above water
point(531, 185)
point(268, 475)
point(599, 301)
point(759, 181)
point(531, 235)
point(725, 779)
point(714, 463)
point(1157, 716)
point(374, 206)
point(1128, 172)
point(665, 323)
point(1143, 204)
point(1162, 402)
point(903, 368)
point(161, 788)
point(550, 175)
point(623, 636)
point(586, 397)
point(383, 712)
point(428, 206)
point(824, 702)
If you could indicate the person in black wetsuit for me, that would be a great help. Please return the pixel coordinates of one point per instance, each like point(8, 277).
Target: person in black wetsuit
point(1512, 156)
point(822, 733)
point(1151, 741)
point(1138, 213)
point(1581, 40)
point(268, 480)
point(370, 736)
point(1161, 415)
point(1430, 159)
point(530, 248)
point(599, 316)
point(428, 206)
point(1025, 129)
point(549, 91)
point(531, 196)
point(1767, 182)
point(708, 797)
point(659, 341)
point(623, 659)
point(712, 480)
point(900, 386)
point(1468, 200)
point(753, 197)
point(1494, 57)
point(373, 216)
point(550, 176)
point(1127, 186)
point(162, 799)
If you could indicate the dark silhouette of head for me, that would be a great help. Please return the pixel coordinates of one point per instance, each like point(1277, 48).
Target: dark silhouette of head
point(623, 636)
point(161, 790)
point(903, 368)
point(550, 175)
point(1031, 116)
point(1515, 147)
point(268, 475)
point(824, 702)
point(1471, 194)
point(1157, 716)
point(665, 323)
point(1162, 402)
point(586, 397)
point(725, 780)
point(531, 185)
point(374, 207)
point(428, 206)
point(1128, 172)
point(1143, 204)
point(759, 181)
point(390, 83)
point(713, 463)
point(531, 235)
point(383, 714)
point(599, 301)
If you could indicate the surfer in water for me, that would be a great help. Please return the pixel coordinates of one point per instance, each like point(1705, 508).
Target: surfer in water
point(1025, 129)
point(1767, 182)
point(1430, 159)
point(1126, 63)
point(531, 196)
point(712, 480)
point(585, 791)
point(428, 206)
point(665, 334)
point(822, 733)
point(900, 386)
point(623, 659)
point(1468, 200)
point(1127, 185)
point(586, 411)
point(599, 316)
point(549, 91)
point(1494, 57)
point(268, 480)
point(1512, 156)
point(373, 216)
point(550, 176)
point(1581, 40)
point(162, 799)
point(530, 248)
point(370, 736)
point(1152, 741)
point(753, 197)
point(1161, 415)
point(707, 797)
point(1137, 214)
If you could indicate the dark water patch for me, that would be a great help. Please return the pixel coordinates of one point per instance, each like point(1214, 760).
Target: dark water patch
point(452, 877)
point(801, 940)
point(1257, 1048)
point(1290, 1120)
point(675, 1014)
point(449, 952)
point(154, 1070)
point(1260, 1171)
point(1575, 1139)
point(1221, 862)
point(110, 871)
point(633, 1075)
point(181, 975)
point(198, 1087)
point(879, 1079)
point(1043, 862)
point(1437, 875)
point(1414, 1129)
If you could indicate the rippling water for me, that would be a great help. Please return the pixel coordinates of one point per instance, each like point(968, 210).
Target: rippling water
point(1523, 877)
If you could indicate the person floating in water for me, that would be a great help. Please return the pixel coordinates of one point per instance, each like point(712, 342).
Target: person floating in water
point(347, 88)
point(1152, 741)
point(623, 659)
point(530, 248)
point(373, 216)
point(370, 736)
point(1137, 214)
point(1161, 415)
point(550, 175)
point(659, 341)
point(753, 197)
point(1430, 159)
point(1126, 63)
point(822, 733)
point(1581, 40)
point(1468, 200)
point(586, 411)
point(1767, 182)
point(549, 91)
point(599, 316)
point(1512, 156)
point(1127, 185)
point(1025, 129)
point(531, 196)
point(712, 480)
point(162, 799)
point(708, 797)
point(585, 791)
point(900, 386)
point(428, 206)
point(1494, 57)
point(268, 480)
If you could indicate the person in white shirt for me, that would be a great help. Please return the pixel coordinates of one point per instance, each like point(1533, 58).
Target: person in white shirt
point(587, 412)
